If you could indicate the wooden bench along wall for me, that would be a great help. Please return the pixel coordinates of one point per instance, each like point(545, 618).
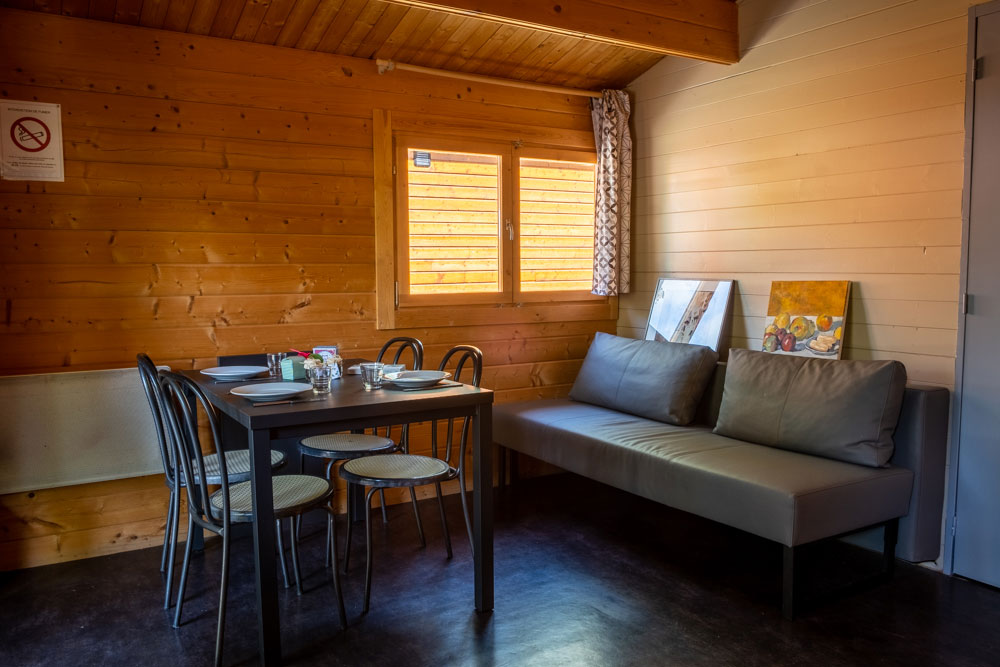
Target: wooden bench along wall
point(219, 200)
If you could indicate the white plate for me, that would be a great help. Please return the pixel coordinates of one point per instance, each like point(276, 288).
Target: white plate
point(234, 372)
point(272, 391)
point(413, 379)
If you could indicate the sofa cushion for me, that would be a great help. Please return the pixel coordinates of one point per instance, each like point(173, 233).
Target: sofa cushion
point(844, 410)
point(780, 495)
point(655, 379)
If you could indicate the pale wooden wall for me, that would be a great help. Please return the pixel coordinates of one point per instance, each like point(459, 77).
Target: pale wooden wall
point(219, 200)
point(833, 150)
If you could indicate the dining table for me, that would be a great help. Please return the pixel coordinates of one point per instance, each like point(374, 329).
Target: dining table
point(349, 407)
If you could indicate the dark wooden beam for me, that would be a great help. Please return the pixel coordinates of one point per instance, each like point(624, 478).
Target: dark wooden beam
point(702, 29)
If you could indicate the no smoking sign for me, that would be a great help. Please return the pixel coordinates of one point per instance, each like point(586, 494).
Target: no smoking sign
point(30, 134)
point(31, 141)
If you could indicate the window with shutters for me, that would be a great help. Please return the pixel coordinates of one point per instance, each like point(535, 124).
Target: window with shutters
point(480, 222)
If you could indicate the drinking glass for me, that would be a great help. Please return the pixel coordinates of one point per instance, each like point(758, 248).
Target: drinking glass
point(320, 378)
point(274, 363)
point(371, 376)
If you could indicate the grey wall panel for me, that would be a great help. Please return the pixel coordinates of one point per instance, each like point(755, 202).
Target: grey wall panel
point(58, 429)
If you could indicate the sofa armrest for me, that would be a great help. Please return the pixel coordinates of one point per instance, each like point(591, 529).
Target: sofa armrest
point(921, 441)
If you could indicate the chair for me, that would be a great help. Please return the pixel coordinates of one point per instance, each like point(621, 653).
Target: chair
point(416, 348)
point(334, 447)
point(395, 470)
point(231, 503)
point(257, 359)
point(237, 465)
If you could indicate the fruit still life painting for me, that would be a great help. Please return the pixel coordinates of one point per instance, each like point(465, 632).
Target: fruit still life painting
point(807, 317)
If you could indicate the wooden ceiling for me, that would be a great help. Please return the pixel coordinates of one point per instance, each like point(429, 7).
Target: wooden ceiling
point(416, 35)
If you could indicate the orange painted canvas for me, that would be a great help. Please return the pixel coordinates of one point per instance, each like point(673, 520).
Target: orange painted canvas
point(807, 318)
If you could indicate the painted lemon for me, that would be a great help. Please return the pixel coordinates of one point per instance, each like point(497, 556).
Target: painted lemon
point(838, 332)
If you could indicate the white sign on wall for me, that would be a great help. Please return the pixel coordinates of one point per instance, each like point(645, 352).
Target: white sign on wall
point(31, 146)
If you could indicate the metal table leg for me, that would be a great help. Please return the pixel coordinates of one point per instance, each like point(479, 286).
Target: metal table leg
point(268, 629)
point(482, 505)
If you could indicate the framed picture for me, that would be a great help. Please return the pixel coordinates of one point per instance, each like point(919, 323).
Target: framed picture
point(806, 318)
point(689, 311)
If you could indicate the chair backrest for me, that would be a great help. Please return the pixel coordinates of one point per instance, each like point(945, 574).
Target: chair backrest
point(416, 348)
point(242, 360)
point(154, 394)
point(471, 374)
point(182, 398)
point(404, 343)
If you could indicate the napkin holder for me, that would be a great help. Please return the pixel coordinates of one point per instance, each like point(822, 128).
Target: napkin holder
point(292, 368)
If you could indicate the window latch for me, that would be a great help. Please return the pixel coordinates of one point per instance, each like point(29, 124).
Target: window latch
point(510, 229)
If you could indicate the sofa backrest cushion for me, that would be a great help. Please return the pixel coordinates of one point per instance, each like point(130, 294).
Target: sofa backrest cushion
point(844, 410)
point(648, 378)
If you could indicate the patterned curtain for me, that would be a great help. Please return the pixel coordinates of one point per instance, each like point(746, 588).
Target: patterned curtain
point(612, 238)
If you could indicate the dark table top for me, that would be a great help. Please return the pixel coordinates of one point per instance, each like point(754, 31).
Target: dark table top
point(347, 402)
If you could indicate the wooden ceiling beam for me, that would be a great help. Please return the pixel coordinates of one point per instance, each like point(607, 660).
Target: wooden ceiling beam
point(702, 29)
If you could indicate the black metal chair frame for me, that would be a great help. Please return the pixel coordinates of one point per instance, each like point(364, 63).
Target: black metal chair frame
point(380, 445)
point(149, 375)
point(473, 356)
point(179, 401)
point(416, 349)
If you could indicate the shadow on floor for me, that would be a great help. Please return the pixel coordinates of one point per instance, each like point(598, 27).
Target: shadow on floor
point(585, 575)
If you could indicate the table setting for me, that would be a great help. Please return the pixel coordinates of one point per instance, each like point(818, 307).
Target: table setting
point(288, 376)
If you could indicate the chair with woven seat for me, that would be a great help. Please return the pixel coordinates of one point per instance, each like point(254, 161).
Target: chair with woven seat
point(397, 347)
point(217, 511)
point(397, 470)
point(334, 447)
point(237, 465)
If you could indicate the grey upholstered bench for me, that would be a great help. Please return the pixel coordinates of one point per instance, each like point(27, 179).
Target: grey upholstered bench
point(789, 497)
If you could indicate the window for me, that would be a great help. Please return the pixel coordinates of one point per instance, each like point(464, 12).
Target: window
point(556, 213)
point(486, 223)
point(477, 232)
point(454, 219)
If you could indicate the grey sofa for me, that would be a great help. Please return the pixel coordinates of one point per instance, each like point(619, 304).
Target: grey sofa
point(786, 496)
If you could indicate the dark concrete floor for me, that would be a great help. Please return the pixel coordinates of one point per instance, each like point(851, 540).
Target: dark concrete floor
point(585, 575)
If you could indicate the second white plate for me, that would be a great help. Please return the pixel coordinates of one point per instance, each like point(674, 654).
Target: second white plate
point(414, 379)
point(234, 372)
point(271, 391)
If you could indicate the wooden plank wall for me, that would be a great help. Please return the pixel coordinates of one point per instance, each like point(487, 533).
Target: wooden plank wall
point(833, 150)
point(218, 200)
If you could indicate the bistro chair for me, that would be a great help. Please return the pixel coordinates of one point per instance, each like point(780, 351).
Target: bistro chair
point(237, 466)
point(396, 470)
point(397, 346)
point(232, 503)
point(336, 447)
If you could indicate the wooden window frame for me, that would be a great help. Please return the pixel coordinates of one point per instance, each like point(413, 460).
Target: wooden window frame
point(402, 143)
point(396, 310)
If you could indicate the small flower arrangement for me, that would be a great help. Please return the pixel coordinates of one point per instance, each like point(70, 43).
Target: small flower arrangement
point(313, 360)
